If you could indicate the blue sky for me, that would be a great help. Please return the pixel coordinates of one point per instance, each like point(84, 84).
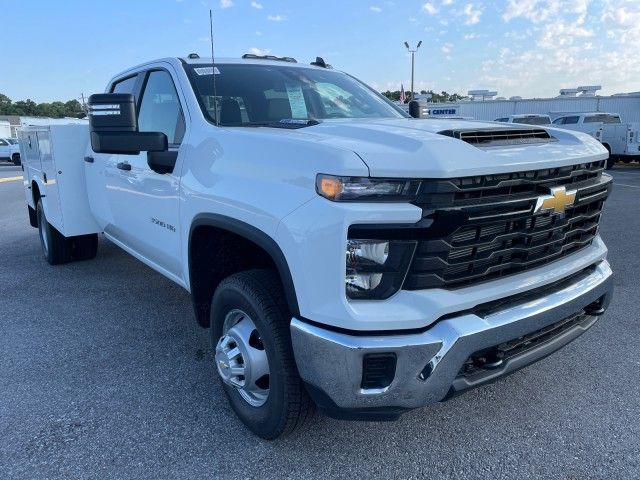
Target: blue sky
point(60, 49)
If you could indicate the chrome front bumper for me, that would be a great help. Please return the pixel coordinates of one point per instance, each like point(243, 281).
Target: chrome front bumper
point(429, 363)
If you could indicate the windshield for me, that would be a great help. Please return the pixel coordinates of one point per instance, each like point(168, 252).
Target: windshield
point(249, 95)
point(532, 120)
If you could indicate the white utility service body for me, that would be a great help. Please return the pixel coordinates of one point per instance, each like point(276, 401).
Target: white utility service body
point(453, 249)
point(52, 160)
point(620, 139)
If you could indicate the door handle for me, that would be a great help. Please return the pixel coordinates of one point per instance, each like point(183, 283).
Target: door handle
point(124, 166)
point(88, 159)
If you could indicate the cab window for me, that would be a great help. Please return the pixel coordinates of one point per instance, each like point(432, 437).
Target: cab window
point(160, 109)
point(602, 118)
point(124, 86)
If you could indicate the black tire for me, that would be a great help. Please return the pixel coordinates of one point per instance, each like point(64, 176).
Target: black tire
point(16, 159)
point(611, 161)
point(84, 247)
point(55, 246)
point(259, 293)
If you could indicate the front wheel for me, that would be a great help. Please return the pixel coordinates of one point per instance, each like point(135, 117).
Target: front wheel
point(254, 356)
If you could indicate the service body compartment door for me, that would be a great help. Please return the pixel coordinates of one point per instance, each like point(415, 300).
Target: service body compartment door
point(52, 207)
point(30, 158)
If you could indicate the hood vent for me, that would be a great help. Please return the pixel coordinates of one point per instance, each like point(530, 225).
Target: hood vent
point(496, 137)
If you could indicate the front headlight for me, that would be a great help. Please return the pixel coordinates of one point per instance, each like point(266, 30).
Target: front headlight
point(360, 189)
point(375, 269)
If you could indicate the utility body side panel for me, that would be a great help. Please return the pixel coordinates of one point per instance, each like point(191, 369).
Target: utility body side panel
point(53, 159)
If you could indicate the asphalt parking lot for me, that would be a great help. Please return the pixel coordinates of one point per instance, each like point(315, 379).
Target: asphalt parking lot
point(103, 372)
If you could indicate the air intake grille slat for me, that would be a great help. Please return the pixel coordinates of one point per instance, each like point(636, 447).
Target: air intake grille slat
point(500, 136)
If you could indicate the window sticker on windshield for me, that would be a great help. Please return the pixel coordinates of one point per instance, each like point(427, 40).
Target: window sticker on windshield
point(206, 70)
point(296, 101)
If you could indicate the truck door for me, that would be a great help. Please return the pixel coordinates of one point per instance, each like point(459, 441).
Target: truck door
point(144, 204)
point(97, 165)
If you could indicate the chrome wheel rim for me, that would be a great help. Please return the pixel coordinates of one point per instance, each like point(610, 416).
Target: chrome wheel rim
point(241, 359)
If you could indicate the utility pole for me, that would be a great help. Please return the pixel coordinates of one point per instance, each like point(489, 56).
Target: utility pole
point(413, 62)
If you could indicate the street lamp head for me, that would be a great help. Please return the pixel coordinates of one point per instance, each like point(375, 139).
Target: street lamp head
point(419, 43)
point(406, 44)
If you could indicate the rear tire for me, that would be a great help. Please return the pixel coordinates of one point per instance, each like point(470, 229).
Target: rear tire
point(258, 295)
point(55, 246)
point(84, 247)
point(16, 159)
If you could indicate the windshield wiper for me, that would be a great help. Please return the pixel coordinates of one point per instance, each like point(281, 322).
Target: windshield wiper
point(289, 123)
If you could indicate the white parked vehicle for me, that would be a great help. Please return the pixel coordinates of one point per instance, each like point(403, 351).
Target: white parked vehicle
point(341, 253)
point(620, 139)
point(5, 129)
point(10, 150)
point(526, 119)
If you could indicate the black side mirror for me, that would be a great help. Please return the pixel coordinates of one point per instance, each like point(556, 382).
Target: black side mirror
point(113, 126)
point(414, 108)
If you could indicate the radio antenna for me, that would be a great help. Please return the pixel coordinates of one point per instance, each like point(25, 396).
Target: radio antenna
point(213, 71)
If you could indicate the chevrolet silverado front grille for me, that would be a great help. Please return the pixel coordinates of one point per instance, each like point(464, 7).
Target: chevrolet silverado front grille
point(482, 228)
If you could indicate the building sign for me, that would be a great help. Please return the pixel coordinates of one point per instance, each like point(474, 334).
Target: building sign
point(443, 111)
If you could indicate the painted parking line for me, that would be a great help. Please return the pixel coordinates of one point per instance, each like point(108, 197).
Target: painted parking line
point(625, 185)
point(10, 179)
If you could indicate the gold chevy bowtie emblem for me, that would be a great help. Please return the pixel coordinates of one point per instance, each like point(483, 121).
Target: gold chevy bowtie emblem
point(558, 201)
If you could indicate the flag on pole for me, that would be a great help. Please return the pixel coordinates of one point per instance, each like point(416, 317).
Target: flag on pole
point(403, 97)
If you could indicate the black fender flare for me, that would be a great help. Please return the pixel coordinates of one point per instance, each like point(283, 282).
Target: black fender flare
point(257, 236)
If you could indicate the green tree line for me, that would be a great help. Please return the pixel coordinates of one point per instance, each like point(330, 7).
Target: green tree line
point(435, 97)
point(29, 108)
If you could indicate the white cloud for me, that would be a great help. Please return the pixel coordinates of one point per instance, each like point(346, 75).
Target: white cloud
point(570, 42)
point(623, 19)
point(259, 51)
point(258, 33)
point(446, 48)
point(276, 18)
point(226, 3)
point(559, 34)
point(447, 2)
point(472, 13)
point(256, 5)
point(430, 8)
point(373, 8)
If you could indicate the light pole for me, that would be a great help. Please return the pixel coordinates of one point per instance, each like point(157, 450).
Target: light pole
point(413, 61)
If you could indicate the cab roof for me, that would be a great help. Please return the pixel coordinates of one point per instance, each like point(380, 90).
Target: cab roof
point(253, 60)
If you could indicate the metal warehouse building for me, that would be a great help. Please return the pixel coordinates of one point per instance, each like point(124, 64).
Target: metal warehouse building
point(627, 105)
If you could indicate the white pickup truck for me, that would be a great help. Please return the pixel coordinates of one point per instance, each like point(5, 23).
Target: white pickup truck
point(9, 150)
point(620, 139)
point(342, 254)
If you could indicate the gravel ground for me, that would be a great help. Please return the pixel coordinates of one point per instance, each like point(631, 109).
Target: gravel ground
point(104, 373)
